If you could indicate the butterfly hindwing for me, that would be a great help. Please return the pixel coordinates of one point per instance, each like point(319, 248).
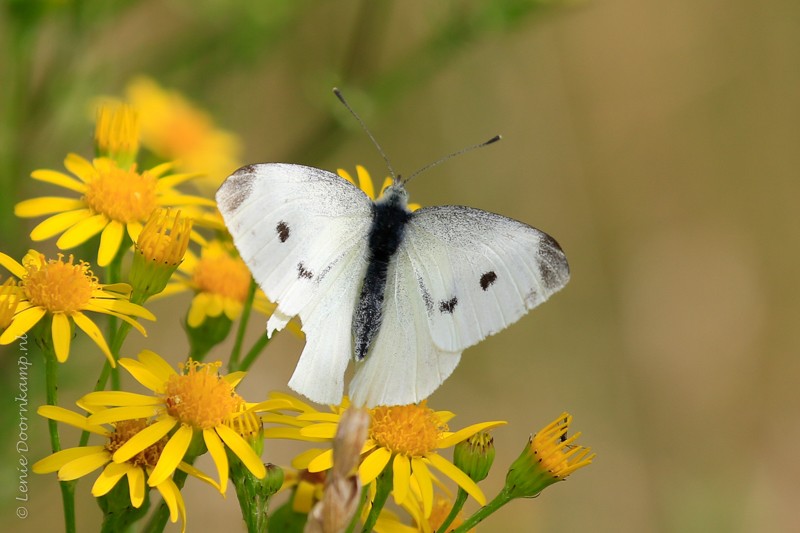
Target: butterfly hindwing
point(478, 272)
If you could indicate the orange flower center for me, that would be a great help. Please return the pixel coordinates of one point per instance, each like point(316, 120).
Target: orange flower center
point(185, 132)
point(59, 286)
point(122, 195)
point(124, 431)
point(223, 275)
point(411, 430)
point(199, 397)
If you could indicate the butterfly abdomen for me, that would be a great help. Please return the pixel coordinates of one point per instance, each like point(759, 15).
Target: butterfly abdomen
point(386, 233)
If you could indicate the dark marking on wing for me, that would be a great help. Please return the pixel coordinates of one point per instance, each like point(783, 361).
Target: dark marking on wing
point(553, 264)
point(448, 306)
point(237, 188)
point(487, 279)
point(302, 272)
point(283, 230)
point(426, 296)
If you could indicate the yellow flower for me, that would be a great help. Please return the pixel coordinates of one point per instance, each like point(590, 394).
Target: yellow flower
point(116, 133)
point(406, 438)
point(159, 250)
point(9, 299)
point(220, 281)
point(366, 185)
point(74, 463)
point(174, 128)
point(195, 401)
point(550, 456)
point(63, 290)
point(113, 200)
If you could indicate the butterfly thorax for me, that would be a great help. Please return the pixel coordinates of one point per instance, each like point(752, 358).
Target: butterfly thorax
point(390, 215)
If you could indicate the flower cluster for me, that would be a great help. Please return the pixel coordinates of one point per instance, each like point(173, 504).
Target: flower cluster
point(150, 239)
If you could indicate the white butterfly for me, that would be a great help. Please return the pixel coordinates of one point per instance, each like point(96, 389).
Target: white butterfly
point(401, 293)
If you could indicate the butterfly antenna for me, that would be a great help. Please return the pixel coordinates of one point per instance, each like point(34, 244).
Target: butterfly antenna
point(338, 93)
point(454, 154)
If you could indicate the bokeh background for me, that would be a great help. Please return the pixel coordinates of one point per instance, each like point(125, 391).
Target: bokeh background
point(657, 141)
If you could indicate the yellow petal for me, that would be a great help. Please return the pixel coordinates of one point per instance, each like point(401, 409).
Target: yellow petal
point(270, 405)
point(289, 433)
point(62, 335)
point(92, 306)
point(116, 414)
point(365, 182)
point(59, 414)
point(172, 497)
point(171, 456)
point(301, 461)
point(125, 307)
point(373, 465)
point(80, 167)
point(134, 229)
point(423, 477)
point(197, 310)
point(161, 169)
point(234, 378)
point(184, 199)
point(401, 467)
point(51, 463)
point(82, 232)
point(324, 430)
point(194, 472)
point(46, 205)
point(21, 323)
point(110, 240)
point(109, 477)
point(143, 439)
point(320, 417)
point(136, 486)
point(83, 465)
point(462, 434)
point(168, 182)
point(118, 398)
point(144, 375)
point(91, 329)
point(386, 182)
point(346, 175)
point(60, 179)
point(243, 451)
point(217, 451)
point(453, 472)
point(13, 266)
point(58, 223)
point(322, 462)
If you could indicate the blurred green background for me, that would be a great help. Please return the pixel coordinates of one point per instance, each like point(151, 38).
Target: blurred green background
point(657, 141)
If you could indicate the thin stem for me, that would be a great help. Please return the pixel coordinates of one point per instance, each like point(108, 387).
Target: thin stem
point(383, 488)
point(233, 362)
point(461, 499)
point(51, 385)
point(357, 515)
point(158, 521)
point(500, 500)
point(254, 352)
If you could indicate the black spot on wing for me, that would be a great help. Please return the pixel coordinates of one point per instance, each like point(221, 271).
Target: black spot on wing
point(487, 279)
point(236, 189)
point(448, 306)
point(283, 230)
point(302, 272)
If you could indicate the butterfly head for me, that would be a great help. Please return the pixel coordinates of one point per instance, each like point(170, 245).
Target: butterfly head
point(394, 194)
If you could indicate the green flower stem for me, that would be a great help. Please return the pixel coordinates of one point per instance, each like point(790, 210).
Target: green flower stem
point(233, 362)
point(500, 500)
point(254, 352)
point(51, 385)
point(461, 499)
point(383, 489)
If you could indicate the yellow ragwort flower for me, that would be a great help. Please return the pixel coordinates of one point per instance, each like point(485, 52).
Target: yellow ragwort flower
point(74, 463)
point(159, 250)
point(116, 133)
point(195, 400)
point(113, 200)
point(365, 184)
point(550, 456)
point(175, 129)
point(63, 290)
point(220, 281)
point(405, 438)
